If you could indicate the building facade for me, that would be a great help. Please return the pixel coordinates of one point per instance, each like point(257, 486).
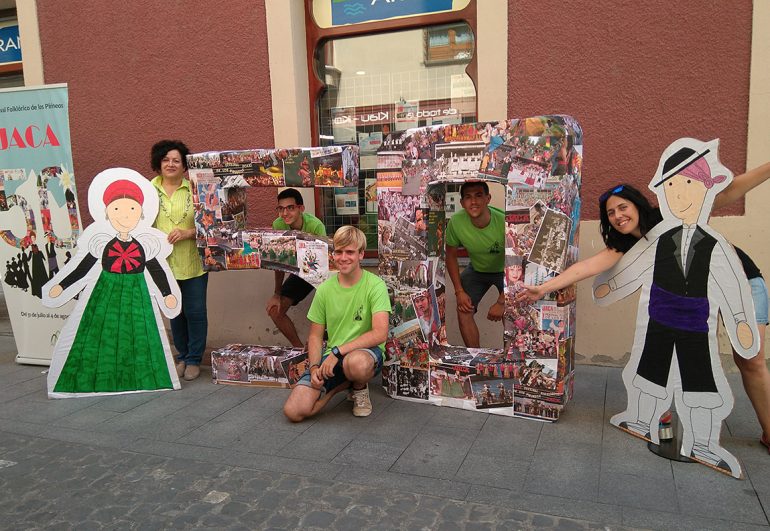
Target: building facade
point(637, 75)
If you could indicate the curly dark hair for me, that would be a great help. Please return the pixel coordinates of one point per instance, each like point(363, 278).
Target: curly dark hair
point(649, 216)
point(161, 149)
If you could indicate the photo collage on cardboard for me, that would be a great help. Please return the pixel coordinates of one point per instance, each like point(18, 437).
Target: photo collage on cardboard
point(539, 161)
point(220, 179)
point(256, 364)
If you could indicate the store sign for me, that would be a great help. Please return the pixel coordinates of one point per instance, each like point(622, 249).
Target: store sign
point(396, 113)
point(10, 45)
point(357, 11)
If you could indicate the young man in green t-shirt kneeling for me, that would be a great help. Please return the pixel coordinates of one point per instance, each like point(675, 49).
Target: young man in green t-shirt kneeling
point(353, 307)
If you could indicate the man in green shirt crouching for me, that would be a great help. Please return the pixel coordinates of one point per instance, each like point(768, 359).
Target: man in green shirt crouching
point(481, 230)
point(353, 307)
point(291, 215)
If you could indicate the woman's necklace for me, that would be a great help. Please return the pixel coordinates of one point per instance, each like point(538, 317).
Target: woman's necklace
point(167, 212)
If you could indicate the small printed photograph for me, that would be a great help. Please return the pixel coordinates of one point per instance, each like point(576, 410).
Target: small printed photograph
point(236, 259)
point(492, 392)
point(565, 196)
point(385, 238)
point(421, 221)
point(462, 159)
point(350, 166)
point(414, 274)
point(551, 242)
point(392, 205)
point(566, 355)
point(417, 173)
point(298, 168)
point(403, 309)
point(213, 258)
point(414, 355)
point(313, 261)
point(451, 381)
point(387, 267)
point(370, 195)
point(407, 244)
point(522, 171)
point(539, 374)
point(426, 307)
point(328, 170)
point(452, 355)
point(553, 318)
point(392, 351)
point(497, 162)
point(532, 407)
point(407, 334)
point(412, 383)
point(436, 231)
point(390, 379)
point(234, 205)
point(227, 235)
point(534, 275)
point(436, 195)
point(208, 194)
point(279, 252)
point(390, 160)
point(265, 365)
point(522, 196)
point(210, 159)
point(514, 273)
point(229, 366)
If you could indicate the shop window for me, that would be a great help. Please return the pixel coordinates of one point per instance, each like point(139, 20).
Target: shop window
point(377, 86)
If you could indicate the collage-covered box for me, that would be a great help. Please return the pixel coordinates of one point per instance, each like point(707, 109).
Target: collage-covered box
point(258, 365)
point(538, 162)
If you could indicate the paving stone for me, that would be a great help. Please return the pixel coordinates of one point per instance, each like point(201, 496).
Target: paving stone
point(367, 454)
point(437, 451)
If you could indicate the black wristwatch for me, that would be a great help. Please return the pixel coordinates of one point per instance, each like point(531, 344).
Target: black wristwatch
point(336, 353)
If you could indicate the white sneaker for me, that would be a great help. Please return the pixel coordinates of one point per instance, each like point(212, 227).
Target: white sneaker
point(362, 406)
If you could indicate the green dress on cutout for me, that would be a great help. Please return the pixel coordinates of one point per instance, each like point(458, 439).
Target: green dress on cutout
point(117, 346)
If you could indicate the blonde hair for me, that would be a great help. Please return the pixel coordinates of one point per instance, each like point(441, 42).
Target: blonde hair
point(348, 235)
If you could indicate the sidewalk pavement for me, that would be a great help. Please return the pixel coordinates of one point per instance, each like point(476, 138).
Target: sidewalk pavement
point(224, 457)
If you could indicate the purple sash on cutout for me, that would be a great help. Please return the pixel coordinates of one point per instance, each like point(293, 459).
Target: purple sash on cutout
point(676, 311)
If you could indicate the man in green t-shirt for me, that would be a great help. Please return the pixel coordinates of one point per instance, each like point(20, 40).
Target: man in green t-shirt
point(481, 230)
point(353, 307)
point(291, 215)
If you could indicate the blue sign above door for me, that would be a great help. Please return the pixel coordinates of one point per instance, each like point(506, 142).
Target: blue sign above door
point(357, 11)
point(10, 46)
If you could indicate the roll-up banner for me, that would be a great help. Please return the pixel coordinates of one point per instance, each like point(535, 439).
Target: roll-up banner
point(39, 215)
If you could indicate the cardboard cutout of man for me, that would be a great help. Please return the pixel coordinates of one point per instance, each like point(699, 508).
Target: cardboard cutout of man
point(688, 273)
point(114, 341)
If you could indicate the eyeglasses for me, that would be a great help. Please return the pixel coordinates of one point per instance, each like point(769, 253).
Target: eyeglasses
point(288, 208)
point(606, 195)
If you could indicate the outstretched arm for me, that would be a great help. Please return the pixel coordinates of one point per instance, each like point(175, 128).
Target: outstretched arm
point(576, 272)
point(742, 184)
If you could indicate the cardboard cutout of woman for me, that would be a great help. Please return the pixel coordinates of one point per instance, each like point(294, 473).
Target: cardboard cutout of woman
point(688, 274)
point(115, 341)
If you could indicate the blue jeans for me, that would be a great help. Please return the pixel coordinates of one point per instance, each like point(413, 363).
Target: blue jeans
point(759, 294)
point(190, 327)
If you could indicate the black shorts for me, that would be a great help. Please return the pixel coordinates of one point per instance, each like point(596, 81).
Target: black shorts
point(296, 289)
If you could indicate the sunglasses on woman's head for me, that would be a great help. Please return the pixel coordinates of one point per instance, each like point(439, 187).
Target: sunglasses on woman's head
point(606, 195)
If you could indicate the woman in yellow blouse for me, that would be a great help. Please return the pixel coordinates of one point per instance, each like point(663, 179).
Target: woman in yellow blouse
point(176, 218)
